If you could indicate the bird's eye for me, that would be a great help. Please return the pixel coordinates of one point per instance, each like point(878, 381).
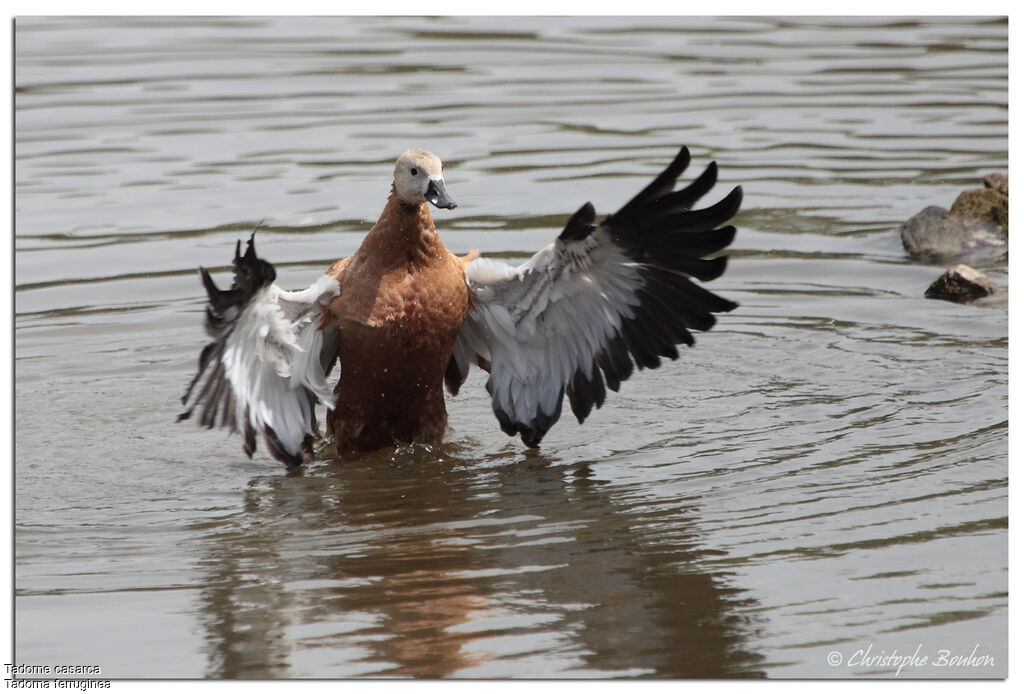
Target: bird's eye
point(414, 171)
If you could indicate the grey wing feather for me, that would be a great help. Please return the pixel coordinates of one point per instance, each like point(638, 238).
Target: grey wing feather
point(266, 366)
point(575, 317)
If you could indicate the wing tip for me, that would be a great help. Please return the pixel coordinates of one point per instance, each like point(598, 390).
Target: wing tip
point(453, 376)
point(580, 225)
point(278, 450)
point(533, 433)
point(679, 163)
point(736, 196)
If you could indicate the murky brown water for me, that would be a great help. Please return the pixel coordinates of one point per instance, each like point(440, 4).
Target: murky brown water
point(825, 472)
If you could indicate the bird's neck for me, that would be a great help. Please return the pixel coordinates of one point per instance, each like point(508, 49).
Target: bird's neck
point(402, 228)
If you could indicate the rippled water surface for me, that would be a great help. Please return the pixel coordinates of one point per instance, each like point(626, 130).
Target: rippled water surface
point(825, 472)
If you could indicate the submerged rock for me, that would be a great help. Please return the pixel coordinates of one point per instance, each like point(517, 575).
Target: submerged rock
point(933, 233)
point(961, 283)
point(938, 234)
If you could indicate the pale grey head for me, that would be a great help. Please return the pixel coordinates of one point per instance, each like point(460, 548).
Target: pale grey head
point(418, 179)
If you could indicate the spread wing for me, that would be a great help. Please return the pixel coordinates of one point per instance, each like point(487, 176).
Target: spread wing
point(569, 320)
point(266, 366)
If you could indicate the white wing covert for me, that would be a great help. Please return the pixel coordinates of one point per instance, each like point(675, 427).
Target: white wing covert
point(267, 364)
point(568, 320)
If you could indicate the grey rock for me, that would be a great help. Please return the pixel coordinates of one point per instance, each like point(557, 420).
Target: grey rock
point(987, 204)
point(935, 234)
point(999, 182)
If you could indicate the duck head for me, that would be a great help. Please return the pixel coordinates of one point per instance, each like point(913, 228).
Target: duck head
point(418, 179)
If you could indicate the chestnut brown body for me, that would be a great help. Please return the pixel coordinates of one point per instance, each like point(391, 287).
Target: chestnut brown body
point(402, 302)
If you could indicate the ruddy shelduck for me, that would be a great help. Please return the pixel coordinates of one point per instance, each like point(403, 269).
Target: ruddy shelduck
point(403, 315)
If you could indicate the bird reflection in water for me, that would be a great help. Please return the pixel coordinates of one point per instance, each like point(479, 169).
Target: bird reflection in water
point(427, 562)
